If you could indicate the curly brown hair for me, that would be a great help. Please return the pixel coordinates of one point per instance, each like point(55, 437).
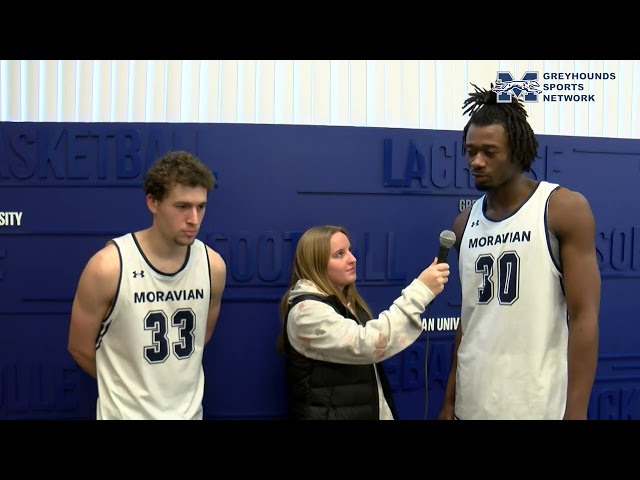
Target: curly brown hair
point(177, 167)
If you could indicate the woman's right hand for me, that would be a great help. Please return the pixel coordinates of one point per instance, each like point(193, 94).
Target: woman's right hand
point(435, 276)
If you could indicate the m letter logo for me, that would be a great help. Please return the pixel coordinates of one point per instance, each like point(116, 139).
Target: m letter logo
point(526, 89)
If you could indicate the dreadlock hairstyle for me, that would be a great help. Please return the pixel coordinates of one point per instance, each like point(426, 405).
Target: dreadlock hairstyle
point(484, 109)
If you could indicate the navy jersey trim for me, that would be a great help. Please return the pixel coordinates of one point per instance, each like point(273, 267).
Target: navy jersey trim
point(146, 260)
point(107, 319)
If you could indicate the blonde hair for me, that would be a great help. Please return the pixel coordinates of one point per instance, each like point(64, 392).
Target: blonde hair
point(310, 263)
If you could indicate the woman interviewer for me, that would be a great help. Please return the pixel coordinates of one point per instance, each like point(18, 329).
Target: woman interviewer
point(332, 344)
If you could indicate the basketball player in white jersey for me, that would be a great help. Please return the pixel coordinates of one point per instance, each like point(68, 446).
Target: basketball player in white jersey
point(527, 343)
point(147, 303)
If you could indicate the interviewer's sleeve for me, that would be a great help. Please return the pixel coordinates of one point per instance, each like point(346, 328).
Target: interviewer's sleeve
point(317, 331)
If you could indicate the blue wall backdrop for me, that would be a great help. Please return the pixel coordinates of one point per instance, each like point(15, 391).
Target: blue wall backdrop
point(66, 188)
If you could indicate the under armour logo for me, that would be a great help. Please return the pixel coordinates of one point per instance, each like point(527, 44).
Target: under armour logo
point(475, 223)
point(138, 274)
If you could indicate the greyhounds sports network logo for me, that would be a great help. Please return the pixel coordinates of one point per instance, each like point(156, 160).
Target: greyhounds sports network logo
point(526, 89)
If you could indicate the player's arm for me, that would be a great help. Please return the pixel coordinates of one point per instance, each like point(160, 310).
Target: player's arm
point(94, 296)
point(218, 280)
point(448, 405)
point(572, 221)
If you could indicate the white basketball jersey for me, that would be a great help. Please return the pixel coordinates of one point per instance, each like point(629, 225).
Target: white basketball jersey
point(149, 350)
point(512, 359)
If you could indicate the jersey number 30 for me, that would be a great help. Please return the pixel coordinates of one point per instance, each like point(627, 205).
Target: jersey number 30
point(157, 321)
point(508, 273)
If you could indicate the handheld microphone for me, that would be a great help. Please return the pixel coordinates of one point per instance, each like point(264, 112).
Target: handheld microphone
point(447, 240)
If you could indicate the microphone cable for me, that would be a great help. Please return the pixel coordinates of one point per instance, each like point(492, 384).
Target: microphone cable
point(426, 362)
point(447, 240)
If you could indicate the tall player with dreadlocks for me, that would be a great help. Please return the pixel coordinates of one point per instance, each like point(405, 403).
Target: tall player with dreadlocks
point(527, 343)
